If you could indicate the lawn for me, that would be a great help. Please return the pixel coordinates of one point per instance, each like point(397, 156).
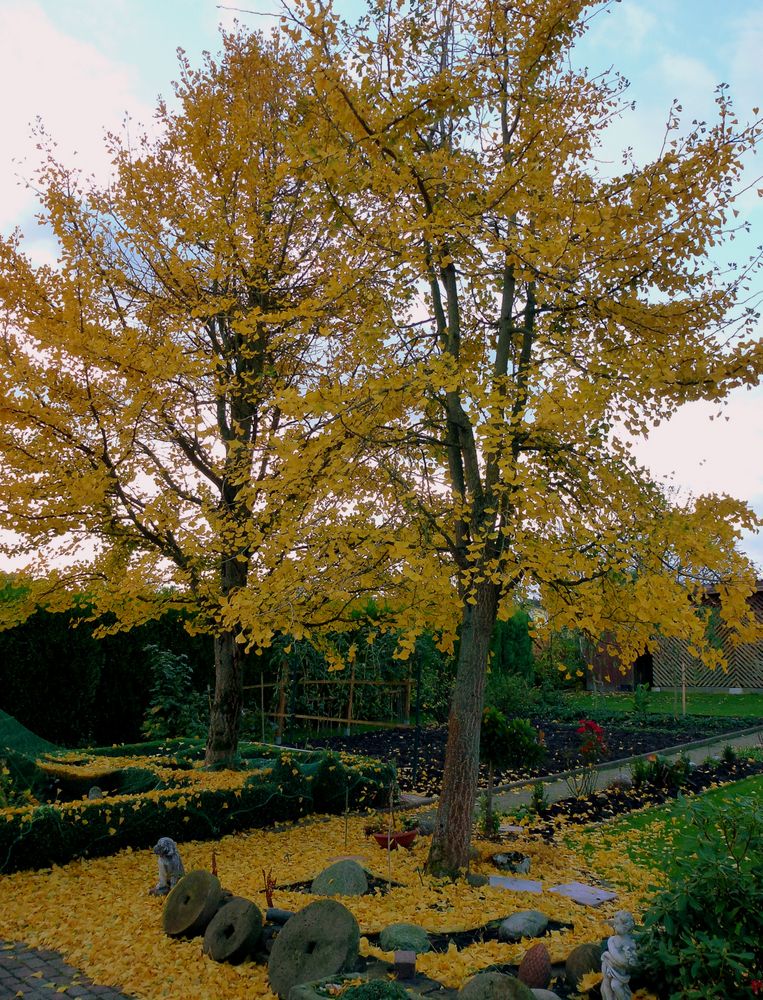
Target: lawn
point(716, 704)
point(654, 838)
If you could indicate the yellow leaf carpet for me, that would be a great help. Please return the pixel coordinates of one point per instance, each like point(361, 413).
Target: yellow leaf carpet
point(99, 915)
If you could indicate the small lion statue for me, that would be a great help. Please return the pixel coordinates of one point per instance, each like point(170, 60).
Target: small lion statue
point(170, 866)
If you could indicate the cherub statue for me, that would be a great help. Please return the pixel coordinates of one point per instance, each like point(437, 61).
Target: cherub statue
point(619, 960)
point(170, 866)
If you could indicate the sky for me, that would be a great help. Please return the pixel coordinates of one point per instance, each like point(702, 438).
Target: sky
point(82, 66)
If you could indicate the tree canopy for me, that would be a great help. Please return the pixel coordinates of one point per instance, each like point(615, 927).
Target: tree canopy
point(152, 382)
point(369, 316)
point(540, 312)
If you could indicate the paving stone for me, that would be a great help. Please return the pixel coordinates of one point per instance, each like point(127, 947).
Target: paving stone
point(516, 884)
point(35, 974)
point(586, 895)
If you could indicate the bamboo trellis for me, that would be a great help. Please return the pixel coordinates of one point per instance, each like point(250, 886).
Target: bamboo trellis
point(282, 714)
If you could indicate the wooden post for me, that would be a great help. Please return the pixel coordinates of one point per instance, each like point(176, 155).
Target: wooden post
point(281, 714)
point(407, 707)
point(350, 700)
point(262, 705)
point(683, 684)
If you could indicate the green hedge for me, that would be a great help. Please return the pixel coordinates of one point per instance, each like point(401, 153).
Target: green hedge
point(48, 835)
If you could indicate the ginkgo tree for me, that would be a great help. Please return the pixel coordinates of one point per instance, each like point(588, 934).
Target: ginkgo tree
point(542, 311)
point(155, 443)
point(366, 316)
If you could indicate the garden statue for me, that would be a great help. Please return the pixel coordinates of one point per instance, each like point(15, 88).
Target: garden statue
point(619, 959)
point(170, 866)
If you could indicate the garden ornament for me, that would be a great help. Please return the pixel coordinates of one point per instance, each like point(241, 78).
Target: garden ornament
point(170, 866)
point(619, 959)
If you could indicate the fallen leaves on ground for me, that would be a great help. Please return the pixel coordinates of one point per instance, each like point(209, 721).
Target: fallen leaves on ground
point(99, 915)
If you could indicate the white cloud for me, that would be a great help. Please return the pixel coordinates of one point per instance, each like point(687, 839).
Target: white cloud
point(67, 83)
point(719, 455)
point(744, 58)
point(627, 28)
point(687, 76)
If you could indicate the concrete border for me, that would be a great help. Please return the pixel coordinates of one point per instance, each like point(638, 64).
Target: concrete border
point(613, 765)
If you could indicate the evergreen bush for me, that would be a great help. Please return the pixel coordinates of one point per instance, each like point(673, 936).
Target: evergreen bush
point(50, 833)
point(175, 708)
point(703, 935)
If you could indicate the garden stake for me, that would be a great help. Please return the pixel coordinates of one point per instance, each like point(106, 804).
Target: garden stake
point(346, 810)
point(390, 826)
point(270, 884)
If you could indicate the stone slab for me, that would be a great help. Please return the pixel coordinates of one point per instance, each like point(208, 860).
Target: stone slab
point(511, 829)
point(410, 800)
point(516, 884)
point(586, 895)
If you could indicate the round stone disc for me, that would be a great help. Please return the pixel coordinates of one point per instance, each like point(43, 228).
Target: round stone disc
point(317, 942)
point(233, 932)
point(192, 904)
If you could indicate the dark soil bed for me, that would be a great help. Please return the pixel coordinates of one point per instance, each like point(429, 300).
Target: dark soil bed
point(419, 767)
point(616, 801)
point(376, 885)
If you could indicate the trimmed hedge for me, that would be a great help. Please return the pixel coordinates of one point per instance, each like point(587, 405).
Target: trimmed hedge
point(41, 836)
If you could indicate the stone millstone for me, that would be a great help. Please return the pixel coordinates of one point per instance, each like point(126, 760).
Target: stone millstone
point(343, 878)
point(494, 986)
point(526, 923)
point(319, 941)
point(233, 932)
point(404, 937)
point(191, 905)
point(581, 960)
point(535, 968)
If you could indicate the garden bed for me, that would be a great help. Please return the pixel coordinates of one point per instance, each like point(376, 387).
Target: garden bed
point(99, 914)
point(609, 803)
point(420, 769)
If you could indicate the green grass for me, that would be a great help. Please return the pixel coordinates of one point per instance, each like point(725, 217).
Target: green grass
point(654, 838)
point(717, 704)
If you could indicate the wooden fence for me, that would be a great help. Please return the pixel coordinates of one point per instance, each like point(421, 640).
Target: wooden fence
point(675, 667)
point(282, 713)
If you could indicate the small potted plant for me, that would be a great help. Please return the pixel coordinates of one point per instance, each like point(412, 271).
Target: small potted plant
point(387, 834)
point(395, 838)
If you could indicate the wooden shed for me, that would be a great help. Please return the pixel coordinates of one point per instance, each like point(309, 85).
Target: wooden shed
point(605, 671)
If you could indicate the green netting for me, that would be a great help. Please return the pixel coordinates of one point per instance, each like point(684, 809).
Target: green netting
point(17, 737)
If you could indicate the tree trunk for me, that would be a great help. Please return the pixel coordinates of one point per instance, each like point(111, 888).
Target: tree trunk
point(455, 813)
point(225, 717)
point(222, 740)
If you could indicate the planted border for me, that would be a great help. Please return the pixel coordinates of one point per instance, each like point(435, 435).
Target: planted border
point(55, 833)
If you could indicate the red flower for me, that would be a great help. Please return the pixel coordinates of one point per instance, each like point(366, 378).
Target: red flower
point(589, 726)
point(756, 985)
point(592, 743)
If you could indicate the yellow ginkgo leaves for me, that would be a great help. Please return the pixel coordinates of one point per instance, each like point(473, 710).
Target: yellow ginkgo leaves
point(99, 914)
